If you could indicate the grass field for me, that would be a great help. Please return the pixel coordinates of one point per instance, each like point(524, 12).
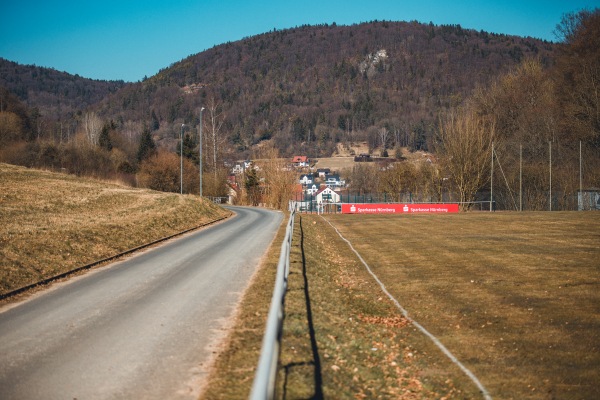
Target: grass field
point(514, 296)
point(342, 338)
point(51, 223)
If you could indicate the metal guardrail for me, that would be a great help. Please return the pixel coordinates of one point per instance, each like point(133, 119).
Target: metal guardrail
point(264, 380)
point(218, 200)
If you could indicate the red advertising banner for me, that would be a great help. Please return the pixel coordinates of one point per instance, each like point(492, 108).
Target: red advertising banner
point(349, 208)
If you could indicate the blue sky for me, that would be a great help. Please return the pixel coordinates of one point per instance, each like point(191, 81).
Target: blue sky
point(127, 40)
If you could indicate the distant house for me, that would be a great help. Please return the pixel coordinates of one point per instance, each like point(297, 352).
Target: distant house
point(307, 179)
point(327, 195)
point(323, 172)
point(334, 181)
point(300, 161)
point(241, 166)
point(312, 190)
point(363, 158)
point(588, 199)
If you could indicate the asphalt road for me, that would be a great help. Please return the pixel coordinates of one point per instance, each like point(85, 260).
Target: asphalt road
point(142, 328)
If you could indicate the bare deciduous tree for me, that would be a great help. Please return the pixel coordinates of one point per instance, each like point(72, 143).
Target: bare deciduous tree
point(11, 127)
point(215, 121)
point(384, 135)
point(92, 126)
point(465, 144)
point(400, 179)
point(364, 179)
point(278, 180)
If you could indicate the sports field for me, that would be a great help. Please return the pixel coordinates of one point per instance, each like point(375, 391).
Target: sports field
point(514, 296)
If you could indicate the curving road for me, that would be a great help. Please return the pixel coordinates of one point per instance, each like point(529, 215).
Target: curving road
point(141, 328)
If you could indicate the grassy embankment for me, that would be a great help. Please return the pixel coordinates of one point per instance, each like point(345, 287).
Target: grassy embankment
point(515, 297)
point(51, 223)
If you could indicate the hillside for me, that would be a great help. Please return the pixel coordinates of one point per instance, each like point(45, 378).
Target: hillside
point(306, 88)
point(312, 86)
point(54, 95)
point(51, 223)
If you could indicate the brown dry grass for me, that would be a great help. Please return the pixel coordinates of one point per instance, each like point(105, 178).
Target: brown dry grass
point(342, 337)
point(335, 163)
point(515, 296)
point(51, 223)
point(232, 374)
point(345, 162)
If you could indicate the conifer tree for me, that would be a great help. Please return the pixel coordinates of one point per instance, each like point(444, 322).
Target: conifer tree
point(189, 149)
point(155, 122)
point(252, 186)
point(104, 138)
point(147, 146)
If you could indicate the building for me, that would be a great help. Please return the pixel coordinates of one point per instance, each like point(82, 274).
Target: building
point(334, 181)
point(312, 190)
point(327, 195)
point(323, 172)
point(300, 161)
point(588, 199)
point(307, 179)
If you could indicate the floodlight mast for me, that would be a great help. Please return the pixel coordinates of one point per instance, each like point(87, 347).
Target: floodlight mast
point(181, 160)
point(200, 150)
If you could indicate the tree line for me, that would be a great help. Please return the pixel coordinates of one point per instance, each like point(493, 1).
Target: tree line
point(306, 89)
point(538, 126)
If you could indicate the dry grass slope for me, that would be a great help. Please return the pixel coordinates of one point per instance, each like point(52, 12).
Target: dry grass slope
point(51, 223)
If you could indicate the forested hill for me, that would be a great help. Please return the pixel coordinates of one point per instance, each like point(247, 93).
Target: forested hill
point(311, 86)
point(56, 95)
point(305, 88)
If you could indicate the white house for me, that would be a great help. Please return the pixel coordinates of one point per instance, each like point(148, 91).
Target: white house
point(300, 161)
point(334, 181)
point(307, 179)
point(327, 195)
point(323, 172)
point(312, 190)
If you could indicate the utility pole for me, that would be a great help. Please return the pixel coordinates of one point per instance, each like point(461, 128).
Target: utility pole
point(580, 200)
point(550, 152)
point(181, 160)
point(492, 181)
point(521, 177)
point(200, 149)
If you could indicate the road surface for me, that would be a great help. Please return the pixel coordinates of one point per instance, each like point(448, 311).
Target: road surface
point(142, 328)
